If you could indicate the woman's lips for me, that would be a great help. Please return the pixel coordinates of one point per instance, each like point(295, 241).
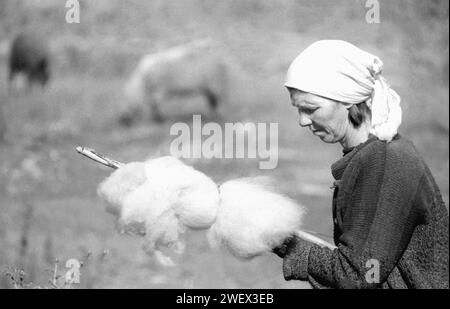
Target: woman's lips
point(318, 132)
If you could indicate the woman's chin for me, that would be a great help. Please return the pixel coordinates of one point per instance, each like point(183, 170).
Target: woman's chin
point(325, 137)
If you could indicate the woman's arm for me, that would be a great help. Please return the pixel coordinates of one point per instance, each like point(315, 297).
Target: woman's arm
point(377, 227)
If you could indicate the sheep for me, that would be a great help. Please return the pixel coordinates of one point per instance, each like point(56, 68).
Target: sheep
point(197, 69)
point(29, 55)
point(162, 197)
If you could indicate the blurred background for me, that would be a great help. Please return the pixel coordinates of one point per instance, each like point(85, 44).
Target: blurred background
point(49, 209)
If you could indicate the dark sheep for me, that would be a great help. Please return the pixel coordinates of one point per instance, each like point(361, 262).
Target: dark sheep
point(29, 55)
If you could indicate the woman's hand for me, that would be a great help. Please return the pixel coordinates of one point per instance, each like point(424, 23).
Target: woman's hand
point(299, 237)
point(282, 249)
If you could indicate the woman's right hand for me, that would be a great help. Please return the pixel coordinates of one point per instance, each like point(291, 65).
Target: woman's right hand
point(282, 249)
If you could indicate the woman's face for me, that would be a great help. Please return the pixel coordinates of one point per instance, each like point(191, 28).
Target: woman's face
point(327, 119)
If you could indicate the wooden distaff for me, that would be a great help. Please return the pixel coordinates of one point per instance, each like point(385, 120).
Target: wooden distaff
point(318, 241)
point(93, 155)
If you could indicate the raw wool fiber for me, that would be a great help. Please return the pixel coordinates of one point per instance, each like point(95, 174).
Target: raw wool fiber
point(121, 183)
point(253, 218)
point(158, 199)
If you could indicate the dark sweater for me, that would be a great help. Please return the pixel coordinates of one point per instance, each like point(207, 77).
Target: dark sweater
point(387, 209)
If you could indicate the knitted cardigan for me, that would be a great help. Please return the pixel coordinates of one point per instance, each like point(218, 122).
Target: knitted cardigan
point(390, 224)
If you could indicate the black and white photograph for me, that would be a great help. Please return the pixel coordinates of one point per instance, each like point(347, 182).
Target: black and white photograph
point(216, 147)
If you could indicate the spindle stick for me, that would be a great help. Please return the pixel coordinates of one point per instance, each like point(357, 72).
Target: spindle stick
point(93, 155)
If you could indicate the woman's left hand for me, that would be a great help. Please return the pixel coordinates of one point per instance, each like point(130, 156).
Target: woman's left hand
point(282, 249)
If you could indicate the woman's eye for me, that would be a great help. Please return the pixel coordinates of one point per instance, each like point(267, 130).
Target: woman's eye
point(307, 111)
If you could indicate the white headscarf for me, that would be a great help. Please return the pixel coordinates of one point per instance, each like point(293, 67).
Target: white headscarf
point(341, 71)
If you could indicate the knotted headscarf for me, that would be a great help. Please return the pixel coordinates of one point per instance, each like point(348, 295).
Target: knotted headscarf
point(343, 72)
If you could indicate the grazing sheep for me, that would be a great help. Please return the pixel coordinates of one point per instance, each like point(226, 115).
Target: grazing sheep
point(160, 198)
point(29, 55)
point(195, 69)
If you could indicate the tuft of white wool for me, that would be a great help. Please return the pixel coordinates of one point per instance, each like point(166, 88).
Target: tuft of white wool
point(119, 184)
point(159, 199)
point(194, 196)
point(253, 218)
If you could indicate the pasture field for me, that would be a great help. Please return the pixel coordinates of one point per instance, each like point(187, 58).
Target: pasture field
point(49, 208)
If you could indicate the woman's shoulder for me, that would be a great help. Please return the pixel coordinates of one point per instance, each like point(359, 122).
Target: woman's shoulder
point(400, 151)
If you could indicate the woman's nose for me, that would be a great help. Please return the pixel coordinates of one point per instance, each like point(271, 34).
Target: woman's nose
point(304, 120)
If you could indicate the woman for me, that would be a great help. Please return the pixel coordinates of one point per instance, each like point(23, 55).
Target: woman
point(390, 222)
